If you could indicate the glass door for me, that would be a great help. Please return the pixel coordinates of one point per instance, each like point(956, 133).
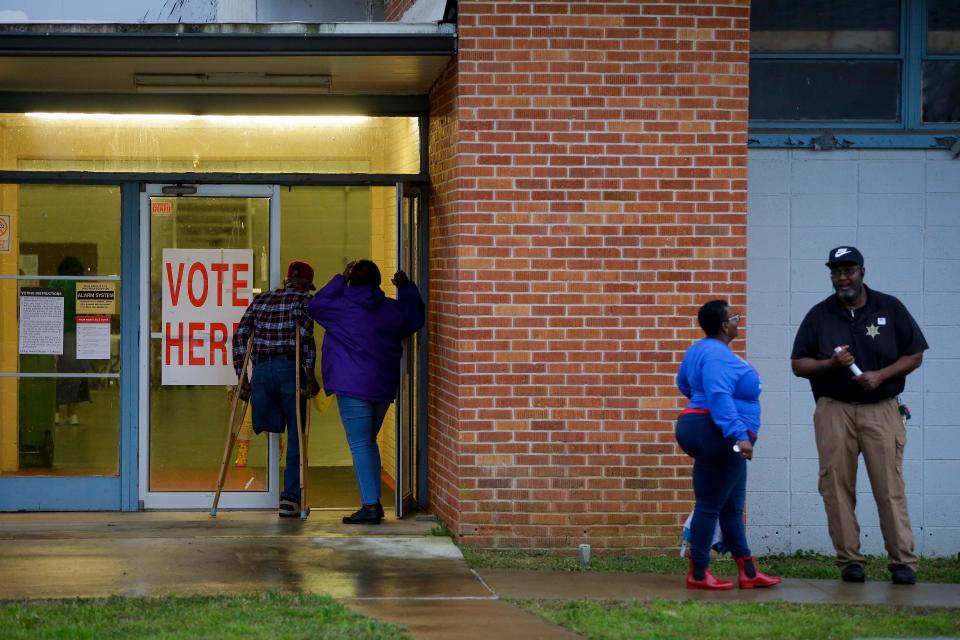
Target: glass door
point(205, 252)
point(410, 434)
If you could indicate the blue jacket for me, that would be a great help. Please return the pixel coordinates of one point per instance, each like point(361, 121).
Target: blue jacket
point(717, 379)
point(363, 339)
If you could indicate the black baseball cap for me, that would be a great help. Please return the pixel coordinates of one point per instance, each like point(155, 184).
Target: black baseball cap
point(844, 255)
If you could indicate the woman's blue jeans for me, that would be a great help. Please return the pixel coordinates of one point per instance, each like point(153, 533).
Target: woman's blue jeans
point(719, 485)
point(362, 420)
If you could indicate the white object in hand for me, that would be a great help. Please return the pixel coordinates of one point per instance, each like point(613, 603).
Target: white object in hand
point(736, 448)
point(854, 369)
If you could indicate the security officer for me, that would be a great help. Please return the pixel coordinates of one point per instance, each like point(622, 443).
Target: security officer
point(860, 413)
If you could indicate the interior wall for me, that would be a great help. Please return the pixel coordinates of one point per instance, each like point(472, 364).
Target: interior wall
point(325, 226)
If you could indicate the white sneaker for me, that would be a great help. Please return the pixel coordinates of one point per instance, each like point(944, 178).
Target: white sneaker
point(74, 419)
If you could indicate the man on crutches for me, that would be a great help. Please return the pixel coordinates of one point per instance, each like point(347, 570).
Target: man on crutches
point(278, 322)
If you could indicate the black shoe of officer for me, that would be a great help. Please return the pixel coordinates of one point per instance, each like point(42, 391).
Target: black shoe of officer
point(853, 573)
point(902, 574)
point(366, 514)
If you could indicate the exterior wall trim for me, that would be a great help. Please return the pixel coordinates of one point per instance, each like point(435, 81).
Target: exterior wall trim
point(826, 141)
point(175, 44)
point(282, 179)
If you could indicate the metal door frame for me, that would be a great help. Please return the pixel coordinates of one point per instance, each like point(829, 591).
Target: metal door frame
point(412, 241)
point(199, 499)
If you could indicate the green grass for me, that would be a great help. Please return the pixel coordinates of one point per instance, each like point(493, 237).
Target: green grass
point(241, 617)
point(441, 530)
point(744, 621)
point(800, 565)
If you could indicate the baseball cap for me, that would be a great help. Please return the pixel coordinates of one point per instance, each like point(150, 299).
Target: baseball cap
point(300, 269)
point(844, 255)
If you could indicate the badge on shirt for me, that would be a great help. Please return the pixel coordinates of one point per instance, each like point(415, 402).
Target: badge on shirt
point(873, 330)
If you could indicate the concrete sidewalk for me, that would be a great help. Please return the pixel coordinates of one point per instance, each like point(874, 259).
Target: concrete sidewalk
point(393, 572)
point(560, 585)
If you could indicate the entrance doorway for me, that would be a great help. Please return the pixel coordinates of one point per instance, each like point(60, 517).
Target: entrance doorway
point(188, 234)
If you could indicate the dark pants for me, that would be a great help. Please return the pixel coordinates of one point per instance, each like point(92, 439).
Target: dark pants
point(273, 400)
point(719, 485)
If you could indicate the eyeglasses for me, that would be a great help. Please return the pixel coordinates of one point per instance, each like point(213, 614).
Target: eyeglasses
point(845, 272)
point(735, 317)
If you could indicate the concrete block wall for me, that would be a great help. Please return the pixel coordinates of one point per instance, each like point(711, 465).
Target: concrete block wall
point(901, 208)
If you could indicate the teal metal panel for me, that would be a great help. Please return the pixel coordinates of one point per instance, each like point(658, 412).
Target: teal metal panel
point(129, 347)
point(32, 493)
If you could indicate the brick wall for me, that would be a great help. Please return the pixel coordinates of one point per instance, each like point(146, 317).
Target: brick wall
point(588, 162)
point(446, 357)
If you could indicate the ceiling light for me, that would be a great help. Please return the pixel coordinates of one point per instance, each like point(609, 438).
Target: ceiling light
point(219, 120)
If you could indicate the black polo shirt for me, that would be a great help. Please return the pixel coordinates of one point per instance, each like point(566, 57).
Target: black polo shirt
point(879, 333)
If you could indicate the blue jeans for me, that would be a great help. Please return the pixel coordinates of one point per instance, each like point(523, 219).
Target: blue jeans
point(362, 420)
point(719, 485)
point(273, 400)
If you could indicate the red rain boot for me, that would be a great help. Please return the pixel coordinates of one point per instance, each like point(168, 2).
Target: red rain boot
point(758, 580)
point(710, 582)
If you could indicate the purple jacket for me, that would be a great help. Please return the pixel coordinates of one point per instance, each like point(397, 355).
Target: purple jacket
point(363, 340)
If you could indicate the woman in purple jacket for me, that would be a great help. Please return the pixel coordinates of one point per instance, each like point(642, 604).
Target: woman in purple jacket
point(362, 345)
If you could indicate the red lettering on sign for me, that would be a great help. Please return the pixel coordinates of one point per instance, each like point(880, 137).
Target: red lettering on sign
point(194, 298)
point(239, 284)
point(218, 342)
point(170, 343)
point(194, 342)
point(174, 289)
point(219, 268)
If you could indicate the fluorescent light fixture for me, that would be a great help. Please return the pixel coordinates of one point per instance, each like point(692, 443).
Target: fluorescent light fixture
point(219, 120)
point(230, 82)
point(158, 117)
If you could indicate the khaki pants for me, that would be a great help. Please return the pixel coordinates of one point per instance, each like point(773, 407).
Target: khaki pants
point(843, 431)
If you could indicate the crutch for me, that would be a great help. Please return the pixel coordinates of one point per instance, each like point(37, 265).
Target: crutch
point(232, 428)
point(304, 510)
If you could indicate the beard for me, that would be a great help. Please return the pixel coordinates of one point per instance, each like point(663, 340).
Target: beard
point(848, 294)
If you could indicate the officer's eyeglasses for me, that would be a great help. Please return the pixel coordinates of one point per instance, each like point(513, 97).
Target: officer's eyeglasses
point(844, 272)
point(735, 317)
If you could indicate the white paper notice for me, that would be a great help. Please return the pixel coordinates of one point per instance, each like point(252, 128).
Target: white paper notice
point(204, 295)
point(93, 337)
point(41, 321)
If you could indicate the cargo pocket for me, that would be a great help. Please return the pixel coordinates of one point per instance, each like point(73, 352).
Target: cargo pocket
point(901, 441)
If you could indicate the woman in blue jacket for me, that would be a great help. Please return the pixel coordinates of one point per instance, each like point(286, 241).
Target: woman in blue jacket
point(718, 429)
point(362, 345)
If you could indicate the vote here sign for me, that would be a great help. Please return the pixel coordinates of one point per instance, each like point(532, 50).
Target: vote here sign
point(205, 292)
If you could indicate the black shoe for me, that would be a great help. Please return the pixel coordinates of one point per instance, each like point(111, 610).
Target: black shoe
point(902, 574)
point(853, 573)
point(379, 510)
point(289, 507)
point(363, 516)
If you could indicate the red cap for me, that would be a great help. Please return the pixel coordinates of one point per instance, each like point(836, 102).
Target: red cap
point(300, 269)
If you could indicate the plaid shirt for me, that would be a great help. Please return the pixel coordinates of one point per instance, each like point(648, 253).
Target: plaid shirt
point(272, 317)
